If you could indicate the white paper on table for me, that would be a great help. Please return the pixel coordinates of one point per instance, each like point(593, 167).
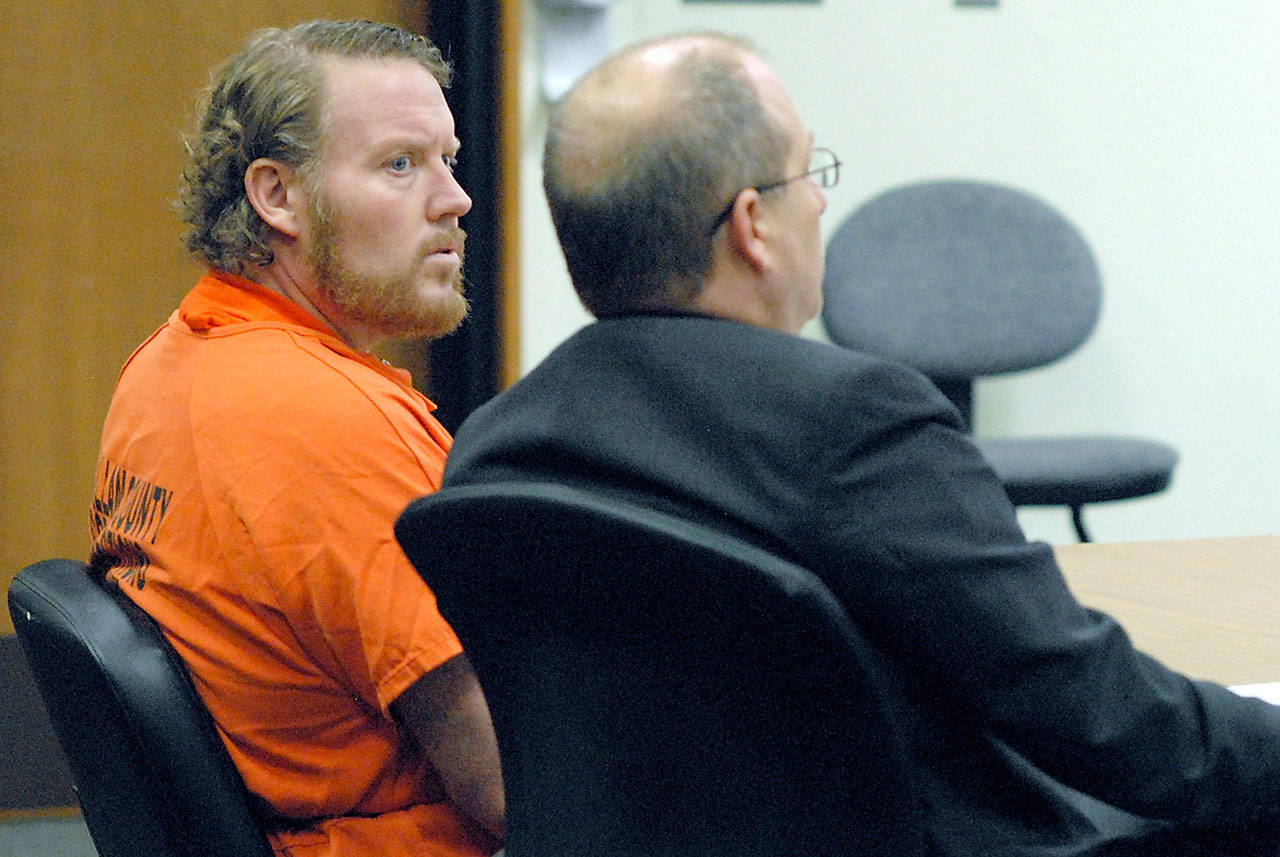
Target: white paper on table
point(1267, 691)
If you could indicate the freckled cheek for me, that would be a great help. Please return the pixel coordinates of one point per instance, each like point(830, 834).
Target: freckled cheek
point(374, 244)
point(383, 225)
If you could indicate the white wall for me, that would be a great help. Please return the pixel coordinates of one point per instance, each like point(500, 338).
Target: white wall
point(1153, 125)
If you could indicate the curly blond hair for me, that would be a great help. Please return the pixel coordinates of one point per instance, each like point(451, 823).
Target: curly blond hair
point(266, 102)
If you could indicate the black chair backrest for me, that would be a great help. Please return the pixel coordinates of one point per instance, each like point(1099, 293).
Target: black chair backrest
point(658, 688)
point(151, 772)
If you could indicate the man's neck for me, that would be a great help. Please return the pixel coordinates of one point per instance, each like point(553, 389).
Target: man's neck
point(287, 280)
point(740, 300)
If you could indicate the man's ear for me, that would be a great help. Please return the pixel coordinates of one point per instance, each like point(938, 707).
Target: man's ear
point(745, 228)
point(275, 191)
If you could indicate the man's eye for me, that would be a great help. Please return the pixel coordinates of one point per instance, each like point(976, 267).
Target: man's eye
point(400, 163)
point(450, 161)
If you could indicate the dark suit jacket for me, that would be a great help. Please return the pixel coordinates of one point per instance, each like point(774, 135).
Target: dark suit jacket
point(1036, 727)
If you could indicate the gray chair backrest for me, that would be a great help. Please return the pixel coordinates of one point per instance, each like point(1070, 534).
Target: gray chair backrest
point(660, 688)
point(151, 772)
point(960, 279)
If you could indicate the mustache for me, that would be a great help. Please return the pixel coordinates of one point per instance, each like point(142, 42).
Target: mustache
point(454, 239)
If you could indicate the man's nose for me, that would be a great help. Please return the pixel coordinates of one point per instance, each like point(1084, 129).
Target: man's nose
point(450, 200)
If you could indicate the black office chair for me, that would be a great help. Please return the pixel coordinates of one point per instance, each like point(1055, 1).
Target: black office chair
point(661, 689)
point(150, 770)
point(964, 279)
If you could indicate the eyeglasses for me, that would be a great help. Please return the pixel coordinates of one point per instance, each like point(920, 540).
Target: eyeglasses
point(823, 164)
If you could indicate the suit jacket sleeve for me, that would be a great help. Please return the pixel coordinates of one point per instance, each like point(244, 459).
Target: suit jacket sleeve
point(931, 558)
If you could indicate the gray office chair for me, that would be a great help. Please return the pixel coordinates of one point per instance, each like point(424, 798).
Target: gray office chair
point(658, 688)
point(149, 767)
point(964, 279)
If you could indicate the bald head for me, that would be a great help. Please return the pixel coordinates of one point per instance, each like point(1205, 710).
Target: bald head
point(631, 99)
point(643, 153)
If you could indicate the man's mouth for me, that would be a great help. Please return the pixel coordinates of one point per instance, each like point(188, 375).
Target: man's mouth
point(450, 245)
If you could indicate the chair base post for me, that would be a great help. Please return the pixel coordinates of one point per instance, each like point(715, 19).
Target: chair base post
point(1077, 520)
